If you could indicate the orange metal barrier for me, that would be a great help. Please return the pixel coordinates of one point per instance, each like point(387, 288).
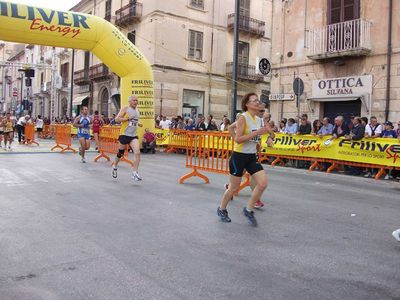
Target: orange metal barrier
point(108, 144)
point(63, 138)
point(30, 134)
point(49, 131)
point(177, 140)
point(209, 151)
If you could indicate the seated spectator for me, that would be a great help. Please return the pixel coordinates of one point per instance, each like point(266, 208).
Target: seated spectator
point(149, 141)
point(316, 126)
point(190, 125)
point(291, 127)
point(326, 128)
point(340, 129)
point(389, 132)
point(273, 126)
point(305, 126)
point(282, 125)
point(165, 123)
point(373, 129)
point(212, 126)
point(364, 121)
point(180, 123)
point(225, 124)
point(201, 125)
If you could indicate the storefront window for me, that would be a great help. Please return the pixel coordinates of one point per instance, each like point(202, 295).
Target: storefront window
point(193, 103)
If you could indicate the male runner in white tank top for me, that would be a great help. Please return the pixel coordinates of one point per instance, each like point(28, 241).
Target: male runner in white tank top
point(128, 116)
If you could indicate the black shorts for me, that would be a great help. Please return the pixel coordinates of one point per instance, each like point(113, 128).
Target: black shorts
point(39, 129)
point(125, 140)
point(244, 161)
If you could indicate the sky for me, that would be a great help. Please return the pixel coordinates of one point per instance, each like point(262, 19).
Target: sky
point(53, 4)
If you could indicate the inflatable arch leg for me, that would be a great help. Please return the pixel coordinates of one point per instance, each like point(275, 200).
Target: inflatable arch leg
point(33, 25)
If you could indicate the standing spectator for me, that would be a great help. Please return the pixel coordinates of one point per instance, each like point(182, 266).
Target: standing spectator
point(190, 125)
point(181, 123)
point(201, 126)
point(112, 121)
point(305, 126)
point(316, 126)
point(326, 128)
point(398, 129)
point(373, 129)
point(149, 141)
point(222, 126)
point(291, 127)
point(21, 128)
point(39, 126)
point(165, 123)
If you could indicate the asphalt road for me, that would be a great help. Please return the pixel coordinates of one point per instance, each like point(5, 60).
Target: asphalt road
point(69, 231)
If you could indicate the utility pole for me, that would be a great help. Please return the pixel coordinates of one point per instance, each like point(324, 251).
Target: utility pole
point(161, 99)
point(235, 59)
point(72, 83)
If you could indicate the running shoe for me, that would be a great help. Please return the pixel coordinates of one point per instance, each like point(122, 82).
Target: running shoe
point(396, 234)
point(135, 176)
point(223, 214)
point(114, 173)
point(250, 217)
point(83, 160)
point(9, 148)
point(259, 204)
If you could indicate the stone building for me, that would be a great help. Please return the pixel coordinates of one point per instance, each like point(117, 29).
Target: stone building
point(340, 49)
point(189, 45)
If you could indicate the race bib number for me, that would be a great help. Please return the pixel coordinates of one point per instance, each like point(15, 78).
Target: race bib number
point(257, 138)
point(85, 131)
point(133, 123)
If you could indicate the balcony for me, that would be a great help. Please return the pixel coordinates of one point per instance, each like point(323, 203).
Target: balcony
point(245, 72)
point(81, 77)
point(247, 25)
point(99, 72)
point(128, 14)
point(350, 38)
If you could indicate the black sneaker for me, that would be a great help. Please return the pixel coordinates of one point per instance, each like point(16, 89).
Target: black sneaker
point(223, 214)
point(114, 173)
point(250, 216)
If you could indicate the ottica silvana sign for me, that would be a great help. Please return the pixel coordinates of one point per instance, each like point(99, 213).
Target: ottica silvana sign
point(342, 87)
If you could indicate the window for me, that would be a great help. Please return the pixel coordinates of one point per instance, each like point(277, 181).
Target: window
point(244, 8)
point(193, 103)
point(108, 10)
point(132, 36)
point(195, 45)
point(343, 10)
point(197, 3)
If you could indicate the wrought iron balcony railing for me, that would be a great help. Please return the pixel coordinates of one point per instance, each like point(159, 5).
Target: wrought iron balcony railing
point(128, 14)
point(81, 77)
point(248, 25)
point(245, 72)
point(350, 38)
point(99, 72)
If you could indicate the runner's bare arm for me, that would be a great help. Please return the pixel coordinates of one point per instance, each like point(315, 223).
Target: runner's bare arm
point(120, 117)
point(231, 129)
point(76, 122)
point(240, 137)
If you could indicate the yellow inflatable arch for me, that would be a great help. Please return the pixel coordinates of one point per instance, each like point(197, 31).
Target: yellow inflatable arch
point(34, 25)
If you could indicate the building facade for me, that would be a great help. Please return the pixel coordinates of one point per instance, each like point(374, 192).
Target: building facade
point(341, 51)
point(189, 45)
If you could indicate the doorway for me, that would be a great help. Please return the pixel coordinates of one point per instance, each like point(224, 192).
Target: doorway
point(342, 108)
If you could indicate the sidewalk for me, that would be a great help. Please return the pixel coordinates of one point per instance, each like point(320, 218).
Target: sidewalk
point(45, 146)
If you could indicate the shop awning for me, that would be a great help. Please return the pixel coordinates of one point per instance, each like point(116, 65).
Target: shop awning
point(78, 100)
point(349, 98)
